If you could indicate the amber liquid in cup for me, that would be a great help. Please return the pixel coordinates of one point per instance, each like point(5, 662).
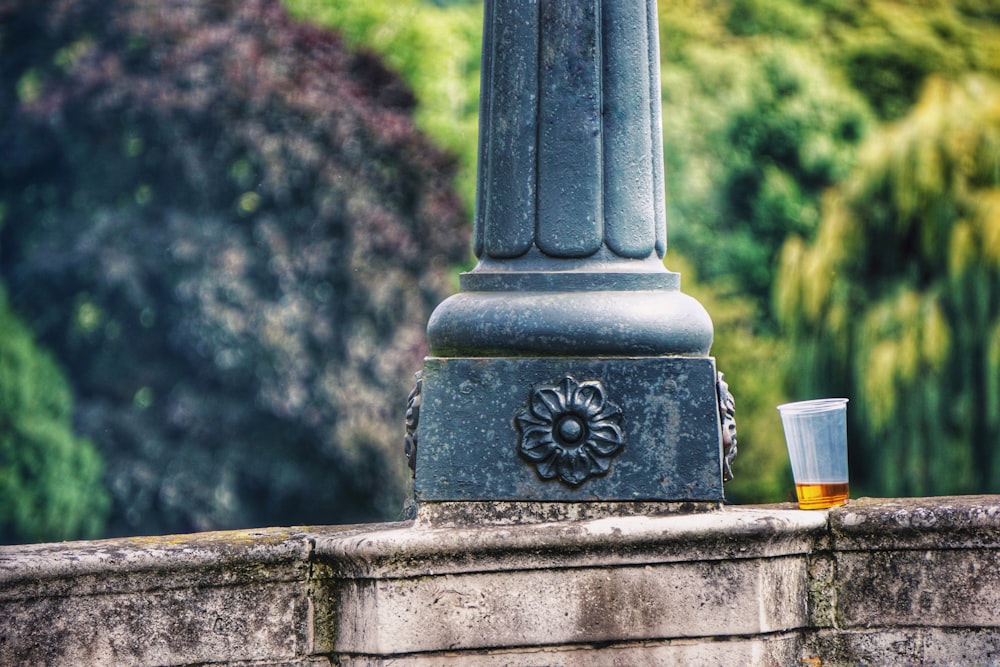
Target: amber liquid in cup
point(819, 496)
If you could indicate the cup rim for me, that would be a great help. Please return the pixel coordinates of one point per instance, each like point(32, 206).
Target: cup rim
point(812, 406)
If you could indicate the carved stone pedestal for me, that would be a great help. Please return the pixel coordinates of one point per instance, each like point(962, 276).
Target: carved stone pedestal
point(569, 430)
point(570, 368)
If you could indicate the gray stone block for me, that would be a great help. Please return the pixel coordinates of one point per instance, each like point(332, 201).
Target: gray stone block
point(917, 523)
point(931, 587)
point(159, 627)
point(713, 576)
point(877, 582)
point(928, 647)
point(572, 606)
point(472, 429)
point(395, 551)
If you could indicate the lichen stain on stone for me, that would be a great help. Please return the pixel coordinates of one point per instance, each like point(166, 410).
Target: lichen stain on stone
point(607, 607)
point(228, 625)
point(251, 537)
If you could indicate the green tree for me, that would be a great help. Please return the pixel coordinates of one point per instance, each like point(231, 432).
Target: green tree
point(435, 46)
point(889, 49)
point(225, 226)
point(775, 127)
point(766, 101)
point(50, 479)
point(765, 105)
point(897, 303)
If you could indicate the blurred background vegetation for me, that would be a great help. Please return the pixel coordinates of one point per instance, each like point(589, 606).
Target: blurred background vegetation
point(223, 226)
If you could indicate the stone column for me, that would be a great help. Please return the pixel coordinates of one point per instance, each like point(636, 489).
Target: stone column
point(570, 230)
point(570, 367)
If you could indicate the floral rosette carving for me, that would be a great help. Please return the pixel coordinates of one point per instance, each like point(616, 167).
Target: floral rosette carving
point(570, 430)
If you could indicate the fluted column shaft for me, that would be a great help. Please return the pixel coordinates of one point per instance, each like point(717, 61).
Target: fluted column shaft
point(570, 135)
point(570, 229)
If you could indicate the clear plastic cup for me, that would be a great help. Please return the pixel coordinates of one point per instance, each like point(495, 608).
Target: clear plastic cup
point(816, 434)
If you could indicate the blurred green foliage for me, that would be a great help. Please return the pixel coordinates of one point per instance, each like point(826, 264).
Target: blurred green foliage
point(753, 134)
point(436, 47)
point(766, 103)
point(775, 99)
point(233, 242)
point(225, 226)
point(51, 485)
point(888, 49)
point(897, 303)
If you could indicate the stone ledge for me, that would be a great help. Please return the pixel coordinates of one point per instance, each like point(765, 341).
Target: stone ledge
point(152, 563)
point(940, 587)
point(732, 533)
point(177, 626)
point(509, 513)
point(914, 523)
point(877, 581)
point(225, 597)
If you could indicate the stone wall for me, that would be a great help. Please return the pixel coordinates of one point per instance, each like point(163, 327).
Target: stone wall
point(912, 581)
point(877, 582)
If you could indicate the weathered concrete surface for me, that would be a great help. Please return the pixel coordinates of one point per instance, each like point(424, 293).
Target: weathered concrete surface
point(905, 646)
point(617, 541)
point(875, 582)
point(724, 574)
point(913, 523)
point(230, 597)
point(569, 606)
point(918, 563)
point(909, 581)
point(520, 513)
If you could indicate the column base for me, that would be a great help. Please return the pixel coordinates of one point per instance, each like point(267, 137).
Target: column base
point(561, 321)
point(569, 430)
